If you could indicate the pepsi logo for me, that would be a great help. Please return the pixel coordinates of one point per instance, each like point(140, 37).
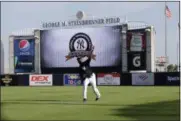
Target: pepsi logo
point(24, 45)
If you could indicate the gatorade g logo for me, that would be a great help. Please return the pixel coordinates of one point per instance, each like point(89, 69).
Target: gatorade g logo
point(136, 61)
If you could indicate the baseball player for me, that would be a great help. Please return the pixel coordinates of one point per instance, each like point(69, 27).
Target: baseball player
point(87, 76)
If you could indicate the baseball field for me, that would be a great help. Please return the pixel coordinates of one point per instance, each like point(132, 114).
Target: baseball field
point(65, 103)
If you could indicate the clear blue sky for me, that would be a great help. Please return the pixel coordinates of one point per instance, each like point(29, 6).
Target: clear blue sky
point(20, 15)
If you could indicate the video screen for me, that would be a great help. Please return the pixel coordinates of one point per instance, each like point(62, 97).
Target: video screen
point(61, 47)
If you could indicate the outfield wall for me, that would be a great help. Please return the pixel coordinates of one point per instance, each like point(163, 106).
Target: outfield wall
point(103, 79)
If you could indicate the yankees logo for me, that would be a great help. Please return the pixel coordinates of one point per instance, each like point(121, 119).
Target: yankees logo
point(136, 61)
point(80, 45)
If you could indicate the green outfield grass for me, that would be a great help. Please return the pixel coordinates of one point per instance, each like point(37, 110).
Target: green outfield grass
point(65, 103)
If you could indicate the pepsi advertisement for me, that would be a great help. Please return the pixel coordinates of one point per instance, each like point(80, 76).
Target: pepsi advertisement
point(24, 52)
point(72, 79)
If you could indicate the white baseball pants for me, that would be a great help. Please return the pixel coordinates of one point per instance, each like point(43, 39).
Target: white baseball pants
point(92, 81)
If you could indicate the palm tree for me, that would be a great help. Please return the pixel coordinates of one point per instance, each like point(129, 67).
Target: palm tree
point(172, 68)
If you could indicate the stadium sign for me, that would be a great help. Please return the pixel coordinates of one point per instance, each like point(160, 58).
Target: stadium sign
point(142, 79)
point(72, 79)
point(73, 23)
point(108, 79)
point(40, 80)
point(167, 78)
point(7, 80)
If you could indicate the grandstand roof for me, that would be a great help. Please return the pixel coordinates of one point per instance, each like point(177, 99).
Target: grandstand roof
point(24, 32)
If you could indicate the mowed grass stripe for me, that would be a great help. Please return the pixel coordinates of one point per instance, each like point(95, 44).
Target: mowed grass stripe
point(65, 103)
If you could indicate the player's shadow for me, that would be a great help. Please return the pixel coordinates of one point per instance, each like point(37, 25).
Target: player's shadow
point(168, 110)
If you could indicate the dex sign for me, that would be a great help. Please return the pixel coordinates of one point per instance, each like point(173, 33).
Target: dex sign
point(40, 80)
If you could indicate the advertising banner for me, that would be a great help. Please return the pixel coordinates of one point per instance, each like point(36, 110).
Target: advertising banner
point(8, 80)
point(72, 80)
point(108, 79)
point(136, 61)
point(40, 80)
point(136, 40)
point(24, 53)
point(167, 78)
point(142, 79)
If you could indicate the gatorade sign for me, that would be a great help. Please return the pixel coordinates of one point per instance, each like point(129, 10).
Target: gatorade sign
point(136, 61)
point(40, 80)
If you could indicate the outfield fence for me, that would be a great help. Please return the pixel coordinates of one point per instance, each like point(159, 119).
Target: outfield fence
point(103, 79)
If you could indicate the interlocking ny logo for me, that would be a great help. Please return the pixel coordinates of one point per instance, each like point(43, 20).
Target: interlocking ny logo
point(80, 45)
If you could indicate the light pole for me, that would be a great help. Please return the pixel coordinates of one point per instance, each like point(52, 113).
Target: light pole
point(179, 47)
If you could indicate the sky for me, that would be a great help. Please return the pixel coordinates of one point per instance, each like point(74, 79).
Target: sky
point(21, 15)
